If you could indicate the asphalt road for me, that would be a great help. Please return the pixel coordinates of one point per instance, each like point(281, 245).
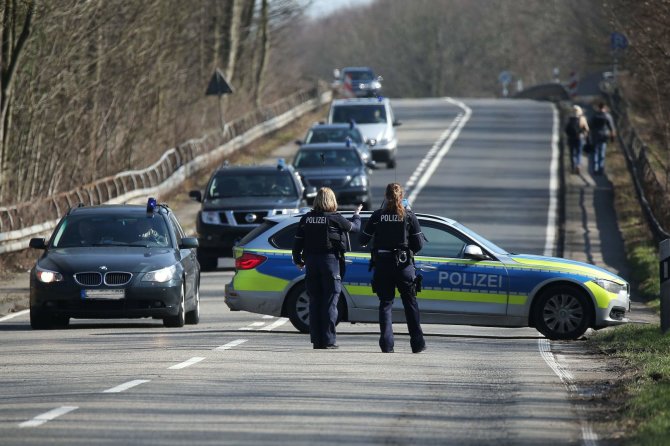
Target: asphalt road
point(240, 378)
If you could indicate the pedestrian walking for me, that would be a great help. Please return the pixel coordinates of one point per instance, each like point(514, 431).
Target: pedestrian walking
point(397, 237)
point(577, 131)
point(602, 130)
point(320, 243)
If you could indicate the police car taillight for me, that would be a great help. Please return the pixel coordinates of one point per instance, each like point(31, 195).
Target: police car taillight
point(249, 261)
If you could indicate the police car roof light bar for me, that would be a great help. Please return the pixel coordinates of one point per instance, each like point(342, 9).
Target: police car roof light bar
point(151, 205)
point(281, 164)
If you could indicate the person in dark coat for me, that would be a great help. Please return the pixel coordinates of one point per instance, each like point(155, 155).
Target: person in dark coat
point(602, 131)
point(320, 243)
point(397, 237)
point(577, 131)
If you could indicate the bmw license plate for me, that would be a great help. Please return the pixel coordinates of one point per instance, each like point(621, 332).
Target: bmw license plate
point(104, 294)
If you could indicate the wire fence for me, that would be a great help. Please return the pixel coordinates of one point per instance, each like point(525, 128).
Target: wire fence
point(19, 222)
point(651, 184)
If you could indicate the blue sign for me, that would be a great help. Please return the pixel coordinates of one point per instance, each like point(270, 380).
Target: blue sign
point(618, 41)
point(505, 77)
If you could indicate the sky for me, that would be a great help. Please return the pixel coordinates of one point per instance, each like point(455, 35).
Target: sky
point(324, 7)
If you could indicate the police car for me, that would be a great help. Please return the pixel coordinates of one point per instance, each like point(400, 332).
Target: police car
point(467, 280)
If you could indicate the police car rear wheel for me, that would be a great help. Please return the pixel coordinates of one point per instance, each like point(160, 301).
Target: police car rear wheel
point(562, 313)
point(297, 308)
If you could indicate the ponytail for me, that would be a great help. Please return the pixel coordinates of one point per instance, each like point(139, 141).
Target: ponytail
point(394, 195)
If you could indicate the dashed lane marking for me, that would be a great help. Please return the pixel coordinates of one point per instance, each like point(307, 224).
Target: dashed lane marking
point(48, 416)
point(190, 362)
point(126, 386)
point(231, 344)
point(13, 315)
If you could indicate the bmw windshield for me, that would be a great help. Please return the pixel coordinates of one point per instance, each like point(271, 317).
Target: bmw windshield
point(112, 230)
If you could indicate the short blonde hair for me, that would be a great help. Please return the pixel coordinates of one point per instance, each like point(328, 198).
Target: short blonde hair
point(325, 200)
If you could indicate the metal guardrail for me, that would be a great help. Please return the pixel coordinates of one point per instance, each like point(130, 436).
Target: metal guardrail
point(21, 222)
point(651, 192)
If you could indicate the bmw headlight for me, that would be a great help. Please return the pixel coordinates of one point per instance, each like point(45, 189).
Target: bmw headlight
point(47, 276)
point(359, 181)
point(610, 286)
point(210, 217)
point(161, 275)
point(362, 86)
point(376, 85)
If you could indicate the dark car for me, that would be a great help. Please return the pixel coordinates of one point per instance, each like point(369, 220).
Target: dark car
point(236, 200)
point(320, 133)
point(360, 82)
point(116, 261)
point(338, 166)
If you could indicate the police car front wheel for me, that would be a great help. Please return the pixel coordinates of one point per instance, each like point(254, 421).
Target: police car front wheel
point(562, 312)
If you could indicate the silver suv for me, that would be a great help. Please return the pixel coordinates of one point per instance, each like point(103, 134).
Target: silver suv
point(374, 118)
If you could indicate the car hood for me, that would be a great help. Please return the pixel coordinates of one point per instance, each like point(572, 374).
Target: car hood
point(567, 266)
point(126, 259)
point(250, 203)
point(374, 131)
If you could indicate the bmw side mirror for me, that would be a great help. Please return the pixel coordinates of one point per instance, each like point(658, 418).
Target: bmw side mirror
point(37, 243)
point(474, 252)
point(299, 142)
point(310, 192)
point(396, 123)
point(372, 164)
point(195, 195)
point(379, 78)
point(336, 73)
point(188, 242)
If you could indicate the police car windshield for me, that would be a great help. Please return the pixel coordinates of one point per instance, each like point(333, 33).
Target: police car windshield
point(327, 158)
point(315, 136)
point(112, 230)
point(489, 246)
point(361, 114)
point(252, 184)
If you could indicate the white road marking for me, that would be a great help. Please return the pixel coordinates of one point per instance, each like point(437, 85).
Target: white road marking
point(126, 386)
point(231, 344)
point(48, 416)
point(13, 315)
point(278, 323)
point(267, 316)
point(257, 324)
point(432, 160)
point(589, 437)
point(550, 238)
point(190, 362)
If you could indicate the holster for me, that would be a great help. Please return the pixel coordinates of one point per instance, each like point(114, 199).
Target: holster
point(343, 264)
point(418, 280)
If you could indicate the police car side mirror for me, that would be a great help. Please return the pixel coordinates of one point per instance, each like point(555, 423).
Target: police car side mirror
point(188, 242)
point(371, 164)
point(298, 142)
point(37, 243)
point(396, 123)
point(371, 142)
point(379, 78)
point(474, 252)
point(310, 192)
point(195, 195)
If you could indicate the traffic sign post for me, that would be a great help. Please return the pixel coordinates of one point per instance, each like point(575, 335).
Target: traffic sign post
point(218, 85)
point(618, 43)
point(664, 256)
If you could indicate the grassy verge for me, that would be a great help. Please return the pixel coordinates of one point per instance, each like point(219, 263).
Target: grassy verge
point(645, 351)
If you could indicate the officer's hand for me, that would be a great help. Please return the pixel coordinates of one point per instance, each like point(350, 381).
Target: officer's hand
point(358, 209)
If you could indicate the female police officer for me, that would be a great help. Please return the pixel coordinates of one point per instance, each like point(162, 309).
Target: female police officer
point(397, 236)
point(320, 242)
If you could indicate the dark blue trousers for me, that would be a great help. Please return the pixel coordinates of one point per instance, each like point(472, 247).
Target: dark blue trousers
point(387, 278)
point(324, 284)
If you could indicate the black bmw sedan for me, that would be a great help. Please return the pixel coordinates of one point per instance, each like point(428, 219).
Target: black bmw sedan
point(116, 261)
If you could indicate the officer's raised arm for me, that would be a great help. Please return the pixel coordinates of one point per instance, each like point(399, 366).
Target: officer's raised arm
point(415, 237)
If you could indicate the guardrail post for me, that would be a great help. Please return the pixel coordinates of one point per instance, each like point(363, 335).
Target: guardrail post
point(664, 255)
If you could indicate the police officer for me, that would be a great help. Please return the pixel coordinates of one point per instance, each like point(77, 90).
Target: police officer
point(397, 237)
point(320, 242)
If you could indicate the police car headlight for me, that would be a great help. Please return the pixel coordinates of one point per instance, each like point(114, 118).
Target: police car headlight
point(610, 286)
point(46, 276)
point(161, 275)
point(359, 181)
point(212, 218)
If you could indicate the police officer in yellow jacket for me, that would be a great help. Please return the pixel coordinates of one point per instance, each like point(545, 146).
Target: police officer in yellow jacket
point(397, 237)
point(320, 243)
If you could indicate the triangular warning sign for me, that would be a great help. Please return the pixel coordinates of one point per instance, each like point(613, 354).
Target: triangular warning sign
point(218, 84)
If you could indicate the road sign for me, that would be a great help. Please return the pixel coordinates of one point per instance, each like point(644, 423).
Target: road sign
point(218, 85)
point(505, 77)
point(618, 41)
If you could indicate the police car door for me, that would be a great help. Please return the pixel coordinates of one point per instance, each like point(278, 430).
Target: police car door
point(357, 278)
point(454, 285)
